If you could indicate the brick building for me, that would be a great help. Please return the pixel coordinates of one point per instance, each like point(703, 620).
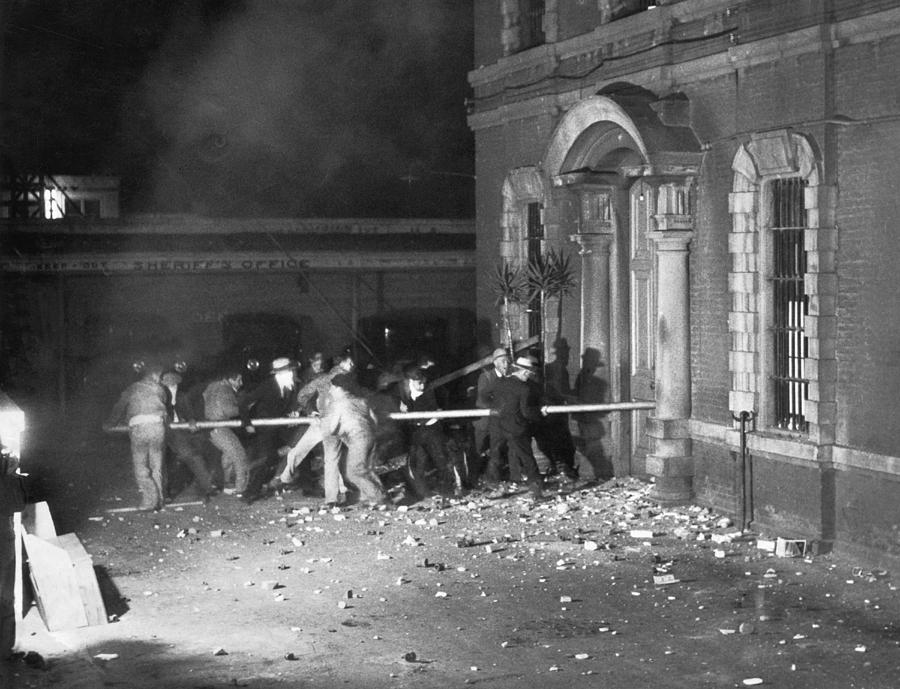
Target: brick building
point(721, 174)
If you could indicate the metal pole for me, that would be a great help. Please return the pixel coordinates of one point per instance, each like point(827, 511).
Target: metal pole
point(409, 416)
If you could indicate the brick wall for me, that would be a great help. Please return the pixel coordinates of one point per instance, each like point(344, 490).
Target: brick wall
point(860, 529)
point(868, 343)
point(500, 150)
point(489, 24)
point(710, 301)
point(714, 477)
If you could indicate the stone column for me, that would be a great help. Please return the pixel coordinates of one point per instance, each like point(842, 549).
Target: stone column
point(593, 436)
point(671, 462)
point(594, 250)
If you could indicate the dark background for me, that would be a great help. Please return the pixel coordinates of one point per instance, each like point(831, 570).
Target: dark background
point(328, 108)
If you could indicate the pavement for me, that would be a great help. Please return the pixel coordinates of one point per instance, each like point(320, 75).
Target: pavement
point(593, 586)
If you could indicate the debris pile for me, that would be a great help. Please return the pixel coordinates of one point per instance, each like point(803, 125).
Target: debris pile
point(604, 558)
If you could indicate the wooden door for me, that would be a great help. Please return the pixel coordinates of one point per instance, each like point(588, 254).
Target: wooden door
point(643, 318)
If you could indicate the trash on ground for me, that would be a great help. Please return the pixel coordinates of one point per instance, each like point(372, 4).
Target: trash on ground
point(790, 547)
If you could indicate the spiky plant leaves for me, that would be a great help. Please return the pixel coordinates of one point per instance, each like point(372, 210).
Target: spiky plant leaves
point(550, 274)
point(509, 283)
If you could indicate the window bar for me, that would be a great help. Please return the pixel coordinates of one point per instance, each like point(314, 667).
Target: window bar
point(535, 233)
point(532, 23)
point(789, 308)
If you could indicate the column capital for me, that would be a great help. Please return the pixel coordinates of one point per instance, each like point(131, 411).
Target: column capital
point(588, 241)
point(671, 240)
point(674, 222)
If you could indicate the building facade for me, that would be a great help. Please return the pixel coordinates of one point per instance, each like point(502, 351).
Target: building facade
point(721, 175)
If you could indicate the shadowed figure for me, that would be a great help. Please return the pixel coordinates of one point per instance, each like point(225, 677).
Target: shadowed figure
point(12, 500)
point(590, 388)
point(552, 433)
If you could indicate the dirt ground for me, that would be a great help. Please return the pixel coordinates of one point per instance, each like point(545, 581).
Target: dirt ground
point(445, 593)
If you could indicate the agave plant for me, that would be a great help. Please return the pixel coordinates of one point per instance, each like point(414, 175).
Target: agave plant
point(549, 275)
point(509, 283)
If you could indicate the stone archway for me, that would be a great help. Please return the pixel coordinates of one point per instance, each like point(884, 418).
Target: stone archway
point(588, 132)
point(599, 149)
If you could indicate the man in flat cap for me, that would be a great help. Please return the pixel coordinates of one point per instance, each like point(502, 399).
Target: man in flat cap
point(499, 368)
point(143, 407)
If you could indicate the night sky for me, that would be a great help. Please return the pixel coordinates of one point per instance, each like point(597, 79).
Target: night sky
point(316, 108)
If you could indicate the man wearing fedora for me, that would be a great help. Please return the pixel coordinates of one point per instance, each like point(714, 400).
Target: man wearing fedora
point(273, 397)
point(514, 406)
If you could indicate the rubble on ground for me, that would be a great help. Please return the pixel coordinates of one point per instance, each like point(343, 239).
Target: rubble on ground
point(446, 547)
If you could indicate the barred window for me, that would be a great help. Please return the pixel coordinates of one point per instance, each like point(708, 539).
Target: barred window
point(532, 23)
point(534, 237)
point(789, 305)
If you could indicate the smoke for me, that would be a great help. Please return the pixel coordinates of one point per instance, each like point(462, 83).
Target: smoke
point(304, 108)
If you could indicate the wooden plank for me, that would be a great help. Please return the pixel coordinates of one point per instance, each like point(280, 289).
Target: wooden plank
point(170, 506)
point(86, 578)
point(481, 363)
point(18, 588)
point(37, 520)
point(55, 585)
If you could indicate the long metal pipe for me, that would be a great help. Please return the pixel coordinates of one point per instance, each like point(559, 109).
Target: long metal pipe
point(409, 416)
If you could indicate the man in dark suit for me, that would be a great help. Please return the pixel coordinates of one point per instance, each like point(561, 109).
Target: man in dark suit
point(12, 500)
point(273, 397)
point(184, 444)
point(427, 439)
point(514, 406)
point(481, 426)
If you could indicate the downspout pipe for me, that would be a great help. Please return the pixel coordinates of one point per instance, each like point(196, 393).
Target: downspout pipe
point(745, 473)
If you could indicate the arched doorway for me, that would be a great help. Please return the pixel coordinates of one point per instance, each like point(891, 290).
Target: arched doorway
point(622, 185)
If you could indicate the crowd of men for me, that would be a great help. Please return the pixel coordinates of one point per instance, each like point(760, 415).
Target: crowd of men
point(348, 446)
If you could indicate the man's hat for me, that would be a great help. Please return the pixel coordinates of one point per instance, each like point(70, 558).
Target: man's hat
point(283, 364)
point(499, 352)
point(415, 373)
point(171, 378)
point(527, 363)
point(387, 379)
point(347, 382)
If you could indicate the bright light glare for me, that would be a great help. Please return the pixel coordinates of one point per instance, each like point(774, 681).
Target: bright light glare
point(54, 204)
